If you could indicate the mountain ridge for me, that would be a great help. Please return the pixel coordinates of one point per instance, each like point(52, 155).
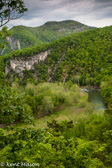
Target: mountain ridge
point(83, 57)
point(49, 32)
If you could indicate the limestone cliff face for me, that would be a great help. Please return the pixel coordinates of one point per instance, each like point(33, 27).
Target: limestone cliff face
point(19, 64)
point(14, 43)
point(18, 44)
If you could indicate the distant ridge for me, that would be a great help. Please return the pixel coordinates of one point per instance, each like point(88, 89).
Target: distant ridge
point(64, 22)
point(24, 37)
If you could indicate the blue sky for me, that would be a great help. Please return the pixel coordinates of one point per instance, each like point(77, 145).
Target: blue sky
point(96, 13)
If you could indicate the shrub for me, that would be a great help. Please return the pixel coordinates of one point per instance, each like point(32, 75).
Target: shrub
point(12, 105)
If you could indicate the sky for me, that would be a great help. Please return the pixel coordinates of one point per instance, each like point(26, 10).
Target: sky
point(97, 13)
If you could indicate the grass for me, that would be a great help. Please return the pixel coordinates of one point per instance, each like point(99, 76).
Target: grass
point(69, 113)
point(80, 110)
point(73, 113)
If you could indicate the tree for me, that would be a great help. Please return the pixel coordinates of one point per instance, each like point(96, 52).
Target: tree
point(10, 10)
point(3, 36)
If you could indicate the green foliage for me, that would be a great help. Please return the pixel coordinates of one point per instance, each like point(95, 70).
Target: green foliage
point(48, 104)
point(45, 98)
point(55, 148)
point(10, 10)
point(3, 35)
point(23, 104)
point(13, 107)
point(27, 52)
point(2, 75)
point(85, 144)
point(106, 90)
point(84, 58)
point(50, 31)
point(94, 127)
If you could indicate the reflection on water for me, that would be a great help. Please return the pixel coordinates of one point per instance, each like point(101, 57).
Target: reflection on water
point(96, 98)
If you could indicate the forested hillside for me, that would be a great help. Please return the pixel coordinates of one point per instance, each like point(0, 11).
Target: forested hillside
point(85, 58)
point(24, 37)
point(84, 142)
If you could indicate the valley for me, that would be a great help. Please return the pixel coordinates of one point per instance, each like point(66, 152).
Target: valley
point(48, 119)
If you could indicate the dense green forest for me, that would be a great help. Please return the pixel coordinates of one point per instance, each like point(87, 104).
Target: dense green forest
point(50, 31)
point(77, 60)
point(84, 58)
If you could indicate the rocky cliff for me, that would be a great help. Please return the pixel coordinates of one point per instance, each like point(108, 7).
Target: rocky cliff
point(20, 64)
point(14, 43)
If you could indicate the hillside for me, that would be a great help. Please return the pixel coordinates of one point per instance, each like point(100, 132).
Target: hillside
point(42, 82)
point(24, 37)
point(82, 58)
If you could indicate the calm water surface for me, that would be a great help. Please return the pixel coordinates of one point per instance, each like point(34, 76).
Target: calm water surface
point(96, 98)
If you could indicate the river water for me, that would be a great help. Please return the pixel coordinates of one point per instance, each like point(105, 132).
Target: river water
point(95, 97)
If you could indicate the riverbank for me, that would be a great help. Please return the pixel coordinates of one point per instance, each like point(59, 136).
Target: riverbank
point(95, 97)
point(90, 87)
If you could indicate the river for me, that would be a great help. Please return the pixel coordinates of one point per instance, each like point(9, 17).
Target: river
point(95, 97)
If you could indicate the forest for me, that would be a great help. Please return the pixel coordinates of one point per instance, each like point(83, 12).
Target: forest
point(49, 32)
point(81, 59)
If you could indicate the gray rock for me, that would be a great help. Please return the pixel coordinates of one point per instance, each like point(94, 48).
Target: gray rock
point(19, 64)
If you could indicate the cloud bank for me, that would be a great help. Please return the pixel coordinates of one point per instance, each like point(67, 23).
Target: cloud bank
point(96, 13)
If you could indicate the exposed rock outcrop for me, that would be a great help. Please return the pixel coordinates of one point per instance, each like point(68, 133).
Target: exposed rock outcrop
point(14, 43)
point(18, 44)
point(20, 64)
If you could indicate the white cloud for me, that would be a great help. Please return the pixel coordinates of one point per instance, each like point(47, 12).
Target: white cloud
point(96, 13)
point(99, 23)
point(29, 23)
